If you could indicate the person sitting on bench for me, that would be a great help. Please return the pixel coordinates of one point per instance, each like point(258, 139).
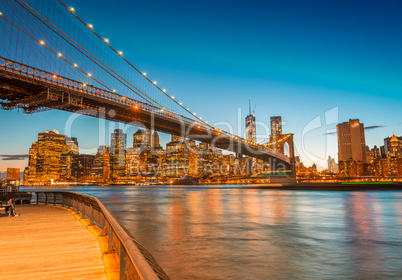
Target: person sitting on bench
point(10, 207)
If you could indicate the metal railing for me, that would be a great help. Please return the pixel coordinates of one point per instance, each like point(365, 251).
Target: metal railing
point(135, 262)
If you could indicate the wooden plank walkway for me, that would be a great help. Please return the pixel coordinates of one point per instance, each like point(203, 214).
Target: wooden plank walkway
point(47, 242)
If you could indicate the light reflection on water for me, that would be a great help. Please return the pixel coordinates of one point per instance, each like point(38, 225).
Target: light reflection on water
point(234, 233)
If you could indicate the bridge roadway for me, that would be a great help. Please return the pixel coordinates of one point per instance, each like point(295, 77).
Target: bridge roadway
point(47, 242)
point(35, 90)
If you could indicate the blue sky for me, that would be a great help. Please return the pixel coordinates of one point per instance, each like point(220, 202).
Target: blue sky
point(296, 59)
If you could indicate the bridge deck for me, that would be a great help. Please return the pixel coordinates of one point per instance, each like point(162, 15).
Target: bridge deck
point(47, 243)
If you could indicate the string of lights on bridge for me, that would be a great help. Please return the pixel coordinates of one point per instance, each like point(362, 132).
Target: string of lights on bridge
point(88, 55)
point(144, 74)
point(120, 54)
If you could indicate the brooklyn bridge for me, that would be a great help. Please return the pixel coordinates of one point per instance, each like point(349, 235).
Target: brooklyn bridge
point(50, 58)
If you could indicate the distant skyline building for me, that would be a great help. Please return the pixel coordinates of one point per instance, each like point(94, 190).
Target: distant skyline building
point(139, 139)
point(54, 159)
point(100, 171)
point(45, 157)
point(155, 140)
point(332, 166)
point(250, 126)
point(351, 141)
point(276, 126)
point(81, 168)
point(352, 158)
point(393, 146)
point(117, 153)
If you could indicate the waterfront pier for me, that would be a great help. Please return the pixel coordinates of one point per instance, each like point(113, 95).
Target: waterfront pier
point(48, 243)
point(74, 236)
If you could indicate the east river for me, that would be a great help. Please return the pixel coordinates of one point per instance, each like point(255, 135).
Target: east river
point(226, 232)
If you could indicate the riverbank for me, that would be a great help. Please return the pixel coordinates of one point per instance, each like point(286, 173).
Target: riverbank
point(344, 186)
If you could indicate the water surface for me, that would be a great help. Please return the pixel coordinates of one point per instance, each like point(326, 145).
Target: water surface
point(230, 232)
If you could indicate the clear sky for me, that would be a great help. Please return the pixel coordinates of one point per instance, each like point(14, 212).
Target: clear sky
point(315, 63)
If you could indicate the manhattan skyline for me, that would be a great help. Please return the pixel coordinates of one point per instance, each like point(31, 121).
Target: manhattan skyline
point(294, 60)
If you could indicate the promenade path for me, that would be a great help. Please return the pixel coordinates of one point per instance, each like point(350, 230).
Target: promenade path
point(47, 242)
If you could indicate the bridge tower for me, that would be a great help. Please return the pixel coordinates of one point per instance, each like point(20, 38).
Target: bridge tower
point(277, 141)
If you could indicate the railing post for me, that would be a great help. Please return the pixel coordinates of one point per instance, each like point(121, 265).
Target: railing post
point(123, 259)
point(103, 221)
point(37, 197)
point(45, 198)
point(83, 209)
point(91, 216)
point(109, 239)
point(54, 198)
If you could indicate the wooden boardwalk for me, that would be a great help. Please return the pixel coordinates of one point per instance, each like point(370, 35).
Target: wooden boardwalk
point(47, 242)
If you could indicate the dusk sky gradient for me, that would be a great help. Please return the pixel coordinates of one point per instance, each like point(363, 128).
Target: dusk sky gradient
point(295, 59)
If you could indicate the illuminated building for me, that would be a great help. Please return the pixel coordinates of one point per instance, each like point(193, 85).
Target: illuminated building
point(228, 163)
point(251, 130)
point(276, 126)
point(388, 164)
point(375, 152)
point(155, 140)
point(66, 166)
point(250, 127)
point(67, 160)
point(399, 167)
point(32, 162)
point(207, 158)
point(193, 158)
point(139, 139)
point(100, 171)
point(13, 174)
point(351, 168)
point(117, 154)
point(81, 168)
point(133, 161)
point(45, 157)
point(177, 158)
point(351, 141)
point(393, 146)
point(351, 148)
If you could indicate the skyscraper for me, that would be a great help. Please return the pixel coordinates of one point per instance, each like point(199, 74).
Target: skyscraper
point(139, 138)
point(155, 140)
point(250, 127)
point(45, 157)
point(100, 171)
point(177, 157)
point(133, 161)
point(144, 139)
point(117, 153)
point(81, 168)
point(351, 148)
point(276, 126)
point(351, 141)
